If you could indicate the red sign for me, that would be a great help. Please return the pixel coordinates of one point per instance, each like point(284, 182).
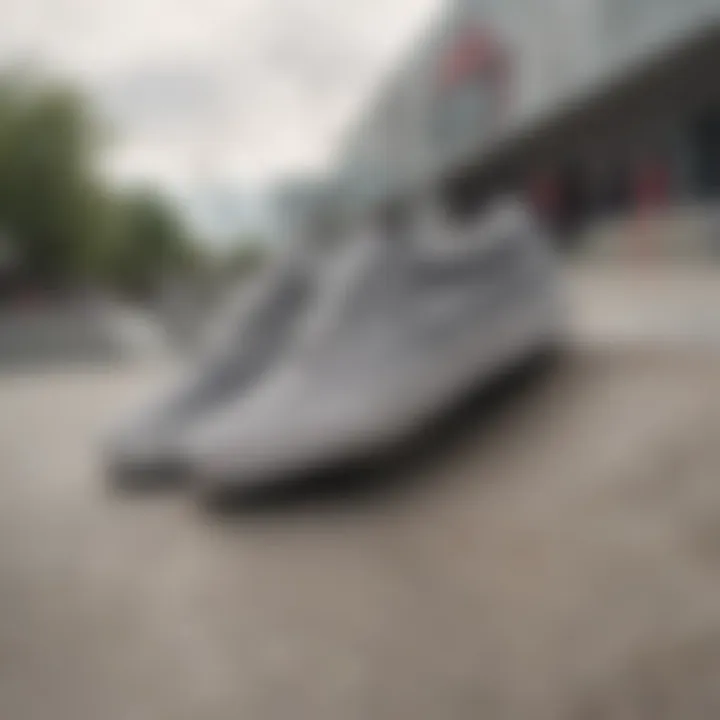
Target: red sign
point(475, 54)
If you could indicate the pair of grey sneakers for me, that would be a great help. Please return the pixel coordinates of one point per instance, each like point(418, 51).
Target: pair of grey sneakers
point(332, 365)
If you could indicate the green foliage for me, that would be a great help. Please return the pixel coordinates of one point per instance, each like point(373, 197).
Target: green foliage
point(149, 243)
point(48, 195)
point(66, 225)
point(245, 257)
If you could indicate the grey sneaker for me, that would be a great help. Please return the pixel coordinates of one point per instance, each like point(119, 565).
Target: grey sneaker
point(397, 338)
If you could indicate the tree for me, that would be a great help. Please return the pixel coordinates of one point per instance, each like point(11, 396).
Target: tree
point(66, 223)
point(150, 242)
point(51, 201)
point(245, 257)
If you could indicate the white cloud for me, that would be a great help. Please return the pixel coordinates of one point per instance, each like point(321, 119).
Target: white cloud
point(217, 89)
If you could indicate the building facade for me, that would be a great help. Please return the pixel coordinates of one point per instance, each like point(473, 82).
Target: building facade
point(544, 96)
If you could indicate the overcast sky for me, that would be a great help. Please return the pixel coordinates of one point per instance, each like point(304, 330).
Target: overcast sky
point(217, 90)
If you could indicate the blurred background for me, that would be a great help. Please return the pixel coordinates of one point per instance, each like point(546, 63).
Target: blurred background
point(558, 557)
point(151, 155)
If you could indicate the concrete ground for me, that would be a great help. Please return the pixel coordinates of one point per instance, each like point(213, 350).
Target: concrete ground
point(557, 558)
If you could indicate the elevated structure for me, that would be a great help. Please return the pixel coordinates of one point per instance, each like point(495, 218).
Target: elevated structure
point(586, 105)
